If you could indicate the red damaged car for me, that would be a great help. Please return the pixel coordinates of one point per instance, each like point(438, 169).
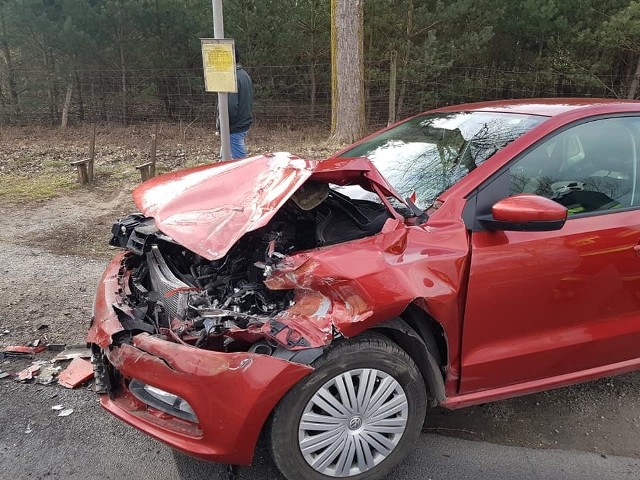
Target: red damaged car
point(464, 255)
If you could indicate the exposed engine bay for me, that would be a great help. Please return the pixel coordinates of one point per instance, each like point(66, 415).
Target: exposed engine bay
point(223, 304)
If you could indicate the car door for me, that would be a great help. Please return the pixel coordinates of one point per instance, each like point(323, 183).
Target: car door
point(546, 304)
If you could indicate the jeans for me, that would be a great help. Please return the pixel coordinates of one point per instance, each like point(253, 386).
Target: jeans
point(238, 148)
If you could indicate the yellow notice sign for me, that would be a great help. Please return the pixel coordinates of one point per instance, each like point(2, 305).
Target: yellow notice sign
point(219, 65)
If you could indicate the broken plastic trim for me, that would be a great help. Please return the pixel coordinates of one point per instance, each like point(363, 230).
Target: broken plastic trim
point(162, 400)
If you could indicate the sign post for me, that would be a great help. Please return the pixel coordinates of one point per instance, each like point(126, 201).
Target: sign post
point(217, 59)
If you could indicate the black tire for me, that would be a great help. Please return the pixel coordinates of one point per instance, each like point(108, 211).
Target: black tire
point(359, 359)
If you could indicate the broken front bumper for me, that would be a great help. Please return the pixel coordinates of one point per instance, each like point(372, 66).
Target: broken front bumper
point(231, 394)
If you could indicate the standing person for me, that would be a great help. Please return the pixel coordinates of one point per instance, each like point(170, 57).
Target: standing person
point(240, 114)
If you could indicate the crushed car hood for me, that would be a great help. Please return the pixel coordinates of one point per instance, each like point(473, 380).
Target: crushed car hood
point(208, 208)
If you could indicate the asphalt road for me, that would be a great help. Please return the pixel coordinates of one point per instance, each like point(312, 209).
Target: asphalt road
point(89, 444)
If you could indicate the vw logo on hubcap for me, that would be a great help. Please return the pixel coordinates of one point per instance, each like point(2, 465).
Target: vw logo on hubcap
point(355, 423)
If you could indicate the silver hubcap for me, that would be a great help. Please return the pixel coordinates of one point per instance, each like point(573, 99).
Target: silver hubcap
point(353, 422)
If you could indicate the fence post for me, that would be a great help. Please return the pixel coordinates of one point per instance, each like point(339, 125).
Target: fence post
point(154, 144)
point(393, 79)
point(92, 152)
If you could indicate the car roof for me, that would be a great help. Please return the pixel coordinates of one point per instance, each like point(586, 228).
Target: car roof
point(547, 107)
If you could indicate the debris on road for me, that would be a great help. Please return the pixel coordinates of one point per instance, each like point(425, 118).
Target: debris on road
point(78, 372)
point(66, 413)
point(45, 371)
point(28, 429)
point(71, 352)
point(57, 407)
point(28, 373)
point(18, 350)
point(48, 374)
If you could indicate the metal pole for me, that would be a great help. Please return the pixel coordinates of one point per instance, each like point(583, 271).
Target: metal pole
point(223, 99)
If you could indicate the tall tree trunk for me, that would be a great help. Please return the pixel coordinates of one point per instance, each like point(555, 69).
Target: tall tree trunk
point(347, 71)
point(67, 105)
point(11, 76)
point(406, 59)
point(560, 85)
point(6, 116)
point(123, 67)
point(80, 98)
point(163, 91)
point(50, 87)
point(312, 57)
point(103, 99)
point(633, 89)
point(312, 75)
point(393, 76)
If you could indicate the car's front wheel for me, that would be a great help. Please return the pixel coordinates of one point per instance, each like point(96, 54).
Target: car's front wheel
point(357, 415)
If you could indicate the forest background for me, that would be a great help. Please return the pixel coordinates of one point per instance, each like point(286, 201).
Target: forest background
point(133, 61)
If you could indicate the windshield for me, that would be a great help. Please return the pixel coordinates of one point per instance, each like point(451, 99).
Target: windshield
point(424, 156)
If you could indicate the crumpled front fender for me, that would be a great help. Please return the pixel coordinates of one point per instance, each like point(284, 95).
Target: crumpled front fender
point(354, 286)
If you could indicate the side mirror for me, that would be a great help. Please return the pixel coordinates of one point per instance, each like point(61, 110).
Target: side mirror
point(527, 213)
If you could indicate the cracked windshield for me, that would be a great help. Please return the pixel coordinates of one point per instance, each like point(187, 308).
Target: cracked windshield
point(426, 155)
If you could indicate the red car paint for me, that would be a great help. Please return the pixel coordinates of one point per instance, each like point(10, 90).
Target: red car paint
point(233, 393)
point(520, 311)
point(532, 207)
point(247, 195)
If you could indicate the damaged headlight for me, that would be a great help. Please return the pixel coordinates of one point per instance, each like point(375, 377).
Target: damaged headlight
point(164, 401)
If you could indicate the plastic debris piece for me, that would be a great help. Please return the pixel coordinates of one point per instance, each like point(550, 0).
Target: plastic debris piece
point(22, 350)
point(28, 373)
point(43, 327)
point(4, 374)
point(78, 372)
point(48, 374)
point(57, 407)
point(56, 347)
point(71, 352)
point(28, 429)
point(66, 413)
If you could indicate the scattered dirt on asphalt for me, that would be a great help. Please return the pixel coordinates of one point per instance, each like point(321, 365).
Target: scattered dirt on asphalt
point(52, 252)
point(601, 416)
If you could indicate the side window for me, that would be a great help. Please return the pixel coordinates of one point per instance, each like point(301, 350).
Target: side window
point(590, 167)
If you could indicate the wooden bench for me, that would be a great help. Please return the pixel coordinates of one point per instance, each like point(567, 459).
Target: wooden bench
point(148, 170)
point(85, 167)
point(85, 170)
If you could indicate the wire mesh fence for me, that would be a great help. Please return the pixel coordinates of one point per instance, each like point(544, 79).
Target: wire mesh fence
point(292, 95)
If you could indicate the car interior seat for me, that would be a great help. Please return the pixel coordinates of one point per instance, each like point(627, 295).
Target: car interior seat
point(610, 165)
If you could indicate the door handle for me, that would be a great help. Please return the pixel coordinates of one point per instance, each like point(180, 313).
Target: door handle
point(636, 248)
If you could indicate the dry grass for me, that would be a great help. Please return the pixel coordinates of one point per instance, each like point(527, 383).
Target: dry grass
point(20, 188)
point(35, 162)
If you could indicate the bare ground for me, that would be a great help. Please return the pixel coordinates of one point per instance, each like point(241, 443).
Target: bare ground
point(53, 249)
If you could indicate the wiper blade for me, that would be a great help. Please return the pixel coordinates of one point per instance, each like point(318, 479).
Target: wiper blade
point(420, 214)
